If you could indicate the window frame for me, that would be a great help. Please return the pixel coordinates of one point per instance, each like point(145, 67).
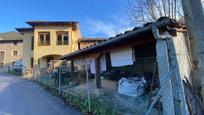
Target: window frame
point(4, 56)
point(67, 36)
point(59, 42)
point(44, 39)
point(63, 34)
point(14, 53)
point(3, 52)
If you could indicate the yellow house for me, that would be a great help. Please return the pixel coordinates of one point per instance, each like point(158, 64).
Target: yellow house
point(46, 41)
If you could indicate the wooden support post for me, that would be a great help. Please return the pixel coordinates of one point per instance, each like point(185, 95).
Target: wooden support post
point(97, 74)
point(88, 88)
point(59, 80)
point(72, 68)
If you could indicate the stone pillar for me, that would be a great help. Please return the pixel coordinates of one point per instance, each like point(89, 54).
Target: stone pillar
point(164, 77)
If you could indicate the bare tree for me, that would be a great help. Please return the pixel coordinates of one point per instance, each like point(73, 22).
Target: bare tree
point(202, 3)
point(142, 11)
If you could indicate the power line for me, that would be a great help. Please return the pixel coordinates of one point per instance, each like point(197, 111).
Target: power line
point(88, 9)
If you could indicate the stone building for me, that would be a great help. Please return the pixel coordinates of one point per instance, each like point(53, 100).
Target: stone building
point(11, 46)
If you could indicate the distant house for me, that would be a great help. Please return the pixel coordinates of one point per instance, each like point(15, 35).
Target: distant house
point(48, 40)
point(85, 42)
point(11, 46)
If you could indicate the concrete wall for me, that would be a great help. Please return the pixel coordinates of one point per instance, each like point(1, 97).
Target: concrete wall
point(8, 48)
point(27, 53)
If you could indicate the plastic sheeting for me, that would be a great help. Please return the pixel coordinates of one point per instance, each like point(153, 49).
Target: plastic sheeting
point(103, 63)
point(87, 61)
point(131, 87)
point(183, 57)
point(92, 66)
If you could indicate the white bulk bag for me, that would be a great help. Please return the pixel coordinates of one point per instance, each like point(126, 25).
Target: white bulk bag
point(131, 87)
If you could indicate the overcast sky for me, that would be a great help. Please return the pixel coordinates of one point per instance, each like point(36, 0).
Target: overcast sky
point(105, 18)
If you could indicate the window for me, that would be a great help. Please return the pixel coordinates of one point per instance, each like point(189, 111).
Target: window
point(2, 54)
point(15, 53)
point(44, 38)
point(32, 42)
point(62, 38)
point(59, 39)
point(31, 62)
point(66, 40)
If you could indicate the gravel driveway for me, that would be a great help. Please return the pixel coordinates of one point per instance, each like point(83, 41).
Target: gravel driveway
point(22, 97)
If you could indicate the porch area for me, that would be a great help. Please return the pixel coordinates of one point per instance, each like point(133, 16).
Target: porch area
point(141, 56)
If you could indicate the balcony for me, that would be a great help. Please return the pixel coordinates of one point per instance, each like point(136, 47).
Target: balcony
point(44, 43)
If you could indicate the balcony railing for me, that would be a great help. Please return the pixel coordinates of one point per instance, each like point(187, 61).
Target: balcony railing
point(44, 43)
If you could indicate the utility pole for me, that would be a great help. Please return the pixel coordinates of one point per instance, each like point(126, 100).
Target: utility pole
point(194, 19)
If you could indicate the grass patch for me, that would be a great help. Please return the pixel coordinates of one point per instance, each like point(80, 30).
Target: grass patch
point(81, 103)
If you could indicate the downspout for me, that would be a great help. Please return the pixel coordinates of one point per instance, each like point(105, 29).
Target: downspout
point(167, 41)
